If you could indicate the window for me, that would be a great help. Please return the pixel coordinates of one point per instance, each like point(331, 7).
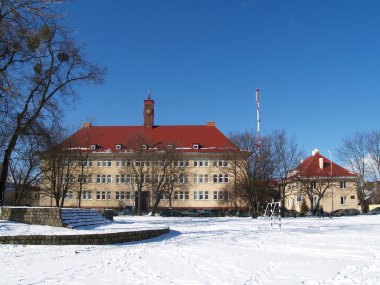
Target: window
point(200, 178)
point(144, 146)
point(98, 180)
point(343, 200)
point(118, 146)
point(89, 163)
point(98, 195)
point(313, 185)
point(89, 179)
point(104, 178)
point(108, 195)
point(71, 195)
point(221, 195)
point(200, 195)
point(175, 195)
point(200, 162)
point(181, 195)
point(195, 195)
point(215, 195)
point(93, 146)
point(206, 178)
point(343, 185)
point(314, 201)
point(128, 178)
point(89, 195)
point(186, 195)
point(103, 195)
point(109, 178)
point(195, 178)
point(169, 146)
point(215, 178)
point(206, 195)
point(122, 195)
point(352, 197)
point(128, 195)
point(117, 178)
point(220, 180)
point(117, 195)
point(226, 178)
point(195, 146)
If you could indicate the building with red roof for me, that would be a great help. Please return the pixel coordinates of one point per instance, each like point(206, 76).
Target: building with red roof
point(201, 151)
point(321, 183)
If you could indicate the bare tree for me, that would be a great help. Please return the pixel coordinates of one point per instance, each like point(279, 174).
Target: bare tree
point(354, 154)
point(373, 149)
point(25, 167)
point(286, 155)
point(253, 169)
point(169, 174)
point(39, 67)
point(137, 166)
point(58, 168)
point(80, 146)
point(307, 183)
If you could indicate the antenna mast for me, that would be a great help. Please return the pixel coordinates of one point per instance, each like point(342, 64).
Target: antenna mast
point(258, 116)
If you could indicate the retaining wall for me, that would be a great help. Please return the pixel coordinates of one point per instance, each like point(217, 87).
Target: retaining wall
point(88, 239)
point(32, 215)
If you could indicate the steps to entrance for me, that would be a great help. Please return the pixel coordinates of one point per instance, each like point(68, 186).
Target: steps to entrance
point(74, 218)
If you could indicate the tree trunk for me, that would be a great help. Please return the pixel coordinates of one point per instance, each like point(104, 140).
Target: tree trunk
point(155, 205)
point(5, 166)
point(139, 202)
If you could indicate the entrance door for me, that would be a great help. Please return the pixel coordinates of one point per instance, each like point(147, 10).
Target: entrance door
point(144, 201)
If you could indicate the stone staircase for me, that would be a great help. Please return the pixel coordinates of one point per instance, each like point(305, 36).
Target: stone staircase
point(74, 218)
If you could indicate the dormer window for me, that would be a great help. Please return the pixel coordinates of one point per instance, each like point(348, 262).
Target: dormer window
point(93, 146)
point(118, 146)
point(195, 146)
point(169, 146)
point(144, 146)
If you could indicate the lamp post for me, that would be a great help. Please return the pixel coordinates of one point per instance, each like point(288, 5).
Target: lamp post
point(332, 188)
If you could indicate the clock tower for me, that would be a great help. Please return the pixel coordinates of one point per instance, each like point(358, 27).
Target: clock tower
point(149, 112)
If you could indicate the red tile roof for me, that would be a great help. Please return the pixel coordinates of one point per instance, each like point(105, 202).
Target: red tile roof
point(310, 167)
point(209, 138)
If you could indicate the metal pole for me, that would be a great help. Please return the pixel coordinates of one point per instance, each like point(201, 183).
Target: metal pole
point(332, 188)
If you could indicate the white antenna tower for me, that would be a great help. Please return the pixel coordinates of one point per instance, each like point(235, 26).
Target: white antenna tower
point(258, 116)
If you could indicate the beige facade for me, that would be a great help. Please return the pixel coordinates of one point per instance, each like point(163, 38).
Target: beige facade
point(340, 194)
point(108, 187)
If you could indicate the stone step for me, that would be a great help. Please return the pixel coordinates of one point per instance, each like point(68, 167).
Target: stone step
point(73, 218)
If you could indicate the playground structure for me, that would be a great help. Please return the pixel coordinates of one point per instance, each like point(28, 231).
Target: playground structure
point(273, 211)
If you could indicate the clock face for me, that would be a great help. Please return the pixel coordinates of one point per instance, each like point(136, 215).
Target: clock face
point(148, 111)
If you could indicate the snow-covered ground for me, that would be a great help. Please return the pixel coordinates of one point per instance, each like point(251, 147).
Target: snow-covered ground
point(342, 250)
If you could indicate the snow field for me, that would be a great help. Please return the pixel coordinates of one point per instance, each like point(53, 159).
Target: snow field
point(342, 250)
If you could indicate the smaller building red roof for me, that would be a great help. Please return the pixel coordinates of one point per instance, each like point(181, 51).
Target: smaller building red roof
point(319, 166)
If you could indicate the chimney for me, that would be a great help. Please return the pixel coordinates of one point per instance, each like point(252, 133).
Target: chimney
point(86, 125)
point(211, 124)
point(315, 151)
point(321, 162)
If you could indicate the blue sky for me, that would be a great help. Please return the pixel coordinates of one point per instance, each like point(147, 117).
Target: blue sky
point(316, 62)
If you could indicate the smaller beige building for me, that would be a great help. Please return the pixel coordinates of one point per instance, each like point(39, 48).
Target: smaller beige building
point(321, 182)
